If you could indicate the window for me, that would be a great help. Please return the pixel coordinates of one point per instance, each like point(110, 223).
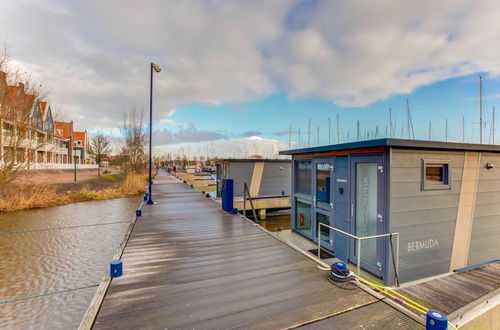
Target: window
point(303, 185)
point(303, 217)
point(323, 185)
point(435, 175)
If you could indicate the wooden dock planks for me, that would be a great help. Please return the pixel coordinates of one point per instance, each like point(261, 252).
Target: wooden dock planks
point(188, 265)
point(452, 292)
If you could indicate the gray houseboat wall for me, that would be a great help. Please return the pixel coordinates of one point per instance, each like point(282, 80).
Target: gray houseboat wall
point(264, 177)
point(443, 199)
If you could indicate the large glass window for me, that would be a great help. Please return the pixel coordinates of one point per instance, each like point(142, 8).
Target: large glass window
point(325, 231)
point(303, 217)
point(366, 209)
point(304, 169)
point(323, 185)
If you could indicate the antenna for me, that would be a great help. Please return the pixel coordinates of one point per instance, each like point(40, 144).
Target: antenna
point(430, 130)
point(317, 135)
point(290, 137)
point(376, 132)
point(300, 141)
point(480, 109)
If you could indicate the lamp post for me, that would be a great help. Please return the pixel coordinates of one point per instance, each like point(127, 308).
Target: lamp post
point(157, 69)
point(75, 157)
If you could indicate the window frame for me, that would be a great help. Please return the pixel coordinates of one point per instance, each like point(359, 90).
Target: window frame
point(443, 185)
point(297, 193)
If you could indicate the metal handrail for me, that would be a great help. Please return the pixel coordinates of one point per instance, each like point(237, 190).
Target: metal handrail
point(245, 192)
point(358, 244)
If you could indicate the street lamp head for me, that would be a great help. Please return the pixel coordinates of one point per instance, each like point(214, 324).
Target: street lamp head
point(156, 67)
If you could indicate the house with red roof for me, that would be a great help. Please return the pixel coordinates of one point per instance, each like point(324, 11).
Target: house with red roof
point(29, 134)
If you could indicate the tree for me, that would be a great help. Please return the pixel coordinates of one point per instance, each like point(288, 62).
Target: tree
point(99, 148)
point(19, 125)
point(134, 141)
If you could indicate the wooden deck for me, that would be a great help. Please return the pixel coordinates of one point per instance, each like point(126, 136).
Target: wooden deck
point(455, 291)
point(188, 265)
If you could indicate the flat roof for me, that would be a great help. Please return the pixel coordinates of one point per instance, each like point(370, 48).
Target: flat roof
point(252, 160)
point(397, 143)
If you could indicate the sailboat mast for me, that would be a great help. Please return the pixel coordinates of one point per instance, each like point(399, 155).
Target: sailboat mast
point(338, 129)
point(493, 126)
point(390, 122)
point(329, 130)
point(480, 109)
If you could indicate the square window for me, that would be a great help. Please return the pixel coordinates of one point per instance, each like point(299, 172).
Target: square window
point(435, 175)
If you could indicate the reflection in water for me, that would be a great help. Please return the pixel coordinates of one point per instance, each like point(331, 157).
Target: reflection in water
point(274, 222)
point(58, 249)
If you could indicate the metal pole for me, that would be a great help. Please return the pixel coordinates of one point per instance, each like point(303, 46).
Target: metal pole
point(150, 200)
point(74, 161)
point(397, 255)
point(480, 109)
point(319, 242)
point(358, 243)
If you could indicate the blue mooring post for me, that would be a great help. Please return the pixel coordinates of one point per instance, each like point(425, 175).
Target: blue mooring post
point(116, 268)
point(227, 195)
point(145, 196)
point(436, 321)
point(138, 212)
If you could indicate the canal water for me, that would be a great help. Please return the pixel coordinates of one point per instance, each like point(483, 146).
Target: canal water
point(53, 259)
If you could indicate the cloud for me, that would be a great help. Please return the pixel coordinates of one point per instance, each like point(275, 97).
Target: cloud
point(187, 134)
point(249, 134)
point(95, 54)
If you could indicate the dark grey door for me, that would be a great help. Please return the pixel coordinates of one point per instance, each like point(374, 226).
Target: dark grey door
point(323, 182)
point(367, 191)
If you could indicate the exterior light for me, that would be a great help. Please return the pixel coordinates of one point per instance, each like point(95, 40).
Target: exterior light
point(156, 67)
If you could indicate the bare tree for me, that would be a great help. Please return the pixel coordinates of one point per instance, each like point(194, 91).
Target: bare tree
point(100, 147)
point(134, 141)
point(20, 123)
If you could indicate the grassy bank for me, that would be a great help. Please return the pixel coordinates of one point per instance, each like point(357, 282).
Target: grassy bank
point(27, 196)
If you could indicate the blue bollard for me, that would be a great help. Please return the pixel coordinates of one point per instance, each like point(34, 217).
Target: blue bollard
point(436, 321)
point(116, 269)
point(145, 196)
point(282, 193)
point(227, 195)
point(138, 212)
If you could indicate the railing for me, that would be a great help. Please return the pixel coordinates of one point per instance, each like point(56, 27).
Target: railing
point(358, 244)
point(245, 193)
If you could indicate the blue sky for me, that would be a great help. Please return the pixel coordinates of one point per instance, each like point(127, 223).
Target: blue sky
point(272, 116)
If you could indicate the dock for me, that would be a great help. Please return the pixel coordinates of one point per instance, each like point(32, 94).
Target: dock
point(462, 295)
point(189, 265)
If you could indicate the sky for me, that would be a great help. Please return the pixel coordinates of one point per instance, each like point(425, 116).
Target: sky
point(243, 77)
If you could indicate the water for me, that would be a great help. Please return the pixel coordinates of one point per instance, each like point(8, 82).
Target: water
point(53, 259)
point(278, 221)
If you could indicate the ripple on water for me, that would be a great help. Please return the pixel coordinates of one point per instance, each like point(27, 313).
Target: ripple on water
point(37, 262)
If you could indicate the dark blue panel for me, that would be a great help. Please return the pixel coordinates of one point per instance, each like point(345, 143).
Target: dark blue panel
point(341, 243)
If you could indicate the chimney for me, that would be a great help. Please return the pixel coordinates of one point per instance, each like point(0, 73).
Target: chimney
point(21, 87)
